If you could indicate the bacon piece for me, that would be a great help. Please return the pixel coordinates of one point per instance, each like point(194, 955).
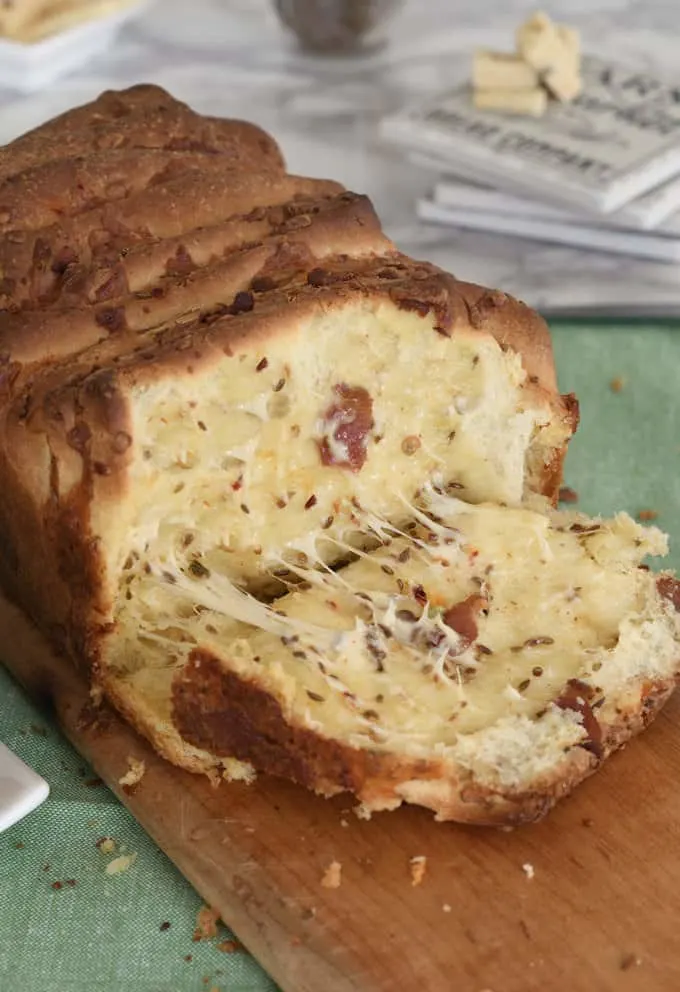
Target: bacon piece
point(577, 696)
point(669, 588)
point(462, 617)
point(346, 426)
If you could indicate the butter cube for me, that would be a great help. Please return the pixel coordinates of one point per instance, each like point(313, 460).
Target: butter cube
point(497, 70)
point(539, 21)
point(545, 45)
point(531, 101)
point(571, 40)
point(542, 49)
point(563, 82)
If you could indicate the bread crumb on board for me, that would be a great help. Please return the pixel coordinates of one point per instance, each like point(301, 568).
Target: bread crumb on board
point(332, 877)
point(646, 516)
point(134, 775)
point(230, 947)
point(206, 923)
point(616, 385)
point(96, 694)
point(629, 961)
point(418, 865)
point(446, 908)
point(120, 864)
point(106, 845)
point(528, 870)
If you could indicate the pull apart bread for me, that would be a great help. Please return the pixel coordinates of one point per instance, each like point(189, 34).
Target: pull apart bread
point(286, 493)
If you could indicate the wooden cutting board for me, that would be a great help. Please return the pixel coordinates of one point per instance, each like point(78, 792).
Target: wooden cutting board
point(600, 913)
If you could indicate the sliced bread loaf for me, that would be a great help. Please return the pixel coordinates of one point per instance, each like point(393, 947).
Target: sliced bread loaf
point(243, 441)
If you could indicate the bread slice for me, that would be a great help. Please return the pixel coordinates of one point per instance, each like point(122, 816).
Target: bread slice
point(480, 662)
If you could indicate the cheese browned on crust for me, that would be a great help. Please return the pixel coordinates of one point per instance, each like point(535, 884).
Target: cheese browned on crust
point(224, 393)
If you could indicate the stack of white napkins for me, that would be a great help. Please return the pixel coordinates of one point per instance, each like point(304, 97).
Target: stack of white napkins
point(602, 173)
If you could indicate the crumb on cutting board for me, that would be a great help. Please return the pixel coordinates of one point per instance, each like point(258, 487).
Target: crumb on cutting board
point(120, 864)
point(418, 866)
point(528, 870)
point(230, 947)
point(617, 383)
point(96, 694)
point(332, 877)
point(446, 908)
point(70, 882)
point(134, 775)
point(629, 961)
point(106, 845)
point(206, 923)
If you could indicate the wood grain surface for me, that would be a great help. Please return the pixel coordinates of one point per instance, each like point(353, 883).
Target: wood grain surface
point(601, 912)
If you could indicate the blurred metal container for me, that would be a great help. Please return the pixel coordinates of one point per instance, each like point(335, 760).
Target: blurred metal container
point(336, 27)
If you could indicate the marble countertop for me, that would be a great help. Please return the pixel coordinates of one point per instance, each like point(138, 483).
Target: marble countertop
point(232, 58)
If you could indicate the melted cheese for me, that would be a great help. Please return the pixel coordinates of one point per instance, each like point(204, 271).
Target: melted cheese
point(233, 457)
point(364, 654)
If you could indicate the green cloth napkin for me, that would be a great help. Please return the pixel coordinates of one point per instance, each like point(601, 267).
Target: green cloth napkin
point(105, 933)
point(109, 934)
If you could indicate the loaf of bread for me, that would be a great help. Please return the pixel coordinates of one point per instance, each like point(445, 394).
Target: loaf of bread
point(284, 493)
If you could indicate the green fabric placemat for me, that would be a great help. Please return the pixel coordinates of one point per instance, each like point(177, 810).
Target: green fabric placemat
point(626, 453)
point(104, 934)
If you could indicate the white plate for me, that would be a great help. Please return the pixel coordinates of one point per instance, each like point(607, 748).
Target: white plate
point(32, 67)
point(21, 789)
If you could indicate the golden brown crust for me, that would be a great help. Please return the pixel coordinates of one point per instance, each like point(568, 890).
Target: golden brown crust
point(163, 736)
point(221, 713)
point(516, 326)
point(34, 261)
point(142, 117)
point(189, 280)
point(67, 187)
